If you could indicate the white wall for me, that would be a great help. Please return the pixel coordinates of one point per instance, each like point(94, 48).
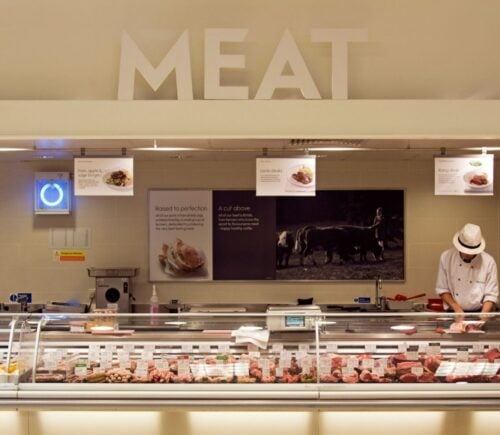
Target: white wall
point(119, 229)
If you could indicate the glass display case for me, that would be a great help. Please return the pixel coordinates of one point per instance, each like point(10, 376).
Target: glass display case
point(282, 358)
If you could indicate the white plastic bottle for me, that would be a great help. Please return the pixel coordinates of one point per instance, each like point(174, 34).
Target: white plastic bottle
point(154, 307)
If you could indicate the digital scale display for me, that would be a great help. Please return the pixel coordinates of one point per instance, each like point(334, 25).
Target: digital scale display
point(295, 321)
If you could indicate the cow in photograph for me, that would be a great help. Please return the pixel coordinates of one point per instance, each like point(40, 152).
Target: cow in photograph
point(363, 239)
point(284, 247)
point(329, 239)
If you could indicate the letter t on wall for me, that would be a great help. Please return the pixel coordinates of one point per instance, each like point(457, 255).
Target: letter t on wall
point(339, 38)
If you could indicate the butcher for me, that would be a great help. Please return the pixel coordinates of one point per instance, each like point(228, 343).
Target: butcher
point(467, 279)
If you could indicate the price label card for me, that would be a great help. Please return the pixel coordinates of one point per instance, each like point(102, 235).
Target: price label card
point(325, 366)
point(51, 365)
point(223, 348)
point(433, 349)
point(412, 353)
point(300, 355)
point(204, 348)
point(304, 347)
point(402, 347)
point(370, 348)
point(266, 371)
point(183, 367)
point(264, 363)
point(161, 364)
point(367, 363)
point(379, 371)
point(141, 372)
point(149, 348)
point(477, 347)
point(277, 347)
point(462, 354)
point(254, 354)
point(125, 364)
point(130, 348)
point(81, 368)
point(242, 368)
point(94, 352)
point(146, 355)
point(331, 347)
point(352, 362)
point(279, 372)
point(252, 348)
point(285, 362)
point(445, 368)
point(382, 362)
point(187, 348)
point(111, 348)
point(76, 328)
point(417, 371)
point(348, 371)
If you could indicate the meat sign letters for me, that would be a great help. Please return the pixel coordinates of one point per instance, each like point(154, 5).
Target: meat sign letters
point(178, 59)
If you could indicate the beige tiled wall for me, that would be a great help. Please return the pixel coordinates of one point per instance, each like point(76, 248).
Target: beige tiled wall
point(119, 229)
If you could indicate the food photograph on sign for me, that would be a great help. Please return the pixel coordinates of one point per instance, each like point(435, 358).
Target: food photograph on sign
point(180, 235)
point(464, 175)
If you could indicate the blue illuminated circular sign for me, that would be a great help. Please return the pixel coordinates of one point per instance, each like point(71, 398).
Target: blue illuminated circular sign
point(51, 194)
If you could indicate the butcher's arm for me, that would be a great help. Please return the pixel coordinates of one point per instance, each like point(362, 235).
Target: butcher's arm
point(448, 299)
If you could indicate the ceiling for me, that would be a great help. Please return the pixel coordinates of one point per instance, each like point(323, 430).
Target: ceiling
point(242, 149)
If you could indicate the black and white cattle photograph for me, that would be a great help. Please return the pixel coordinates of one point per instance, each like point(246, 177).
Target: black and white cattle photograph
point(341, 235)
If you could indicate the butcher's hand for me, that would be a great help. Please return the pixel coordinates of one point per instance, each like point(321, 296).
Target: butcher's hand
point(458, 311)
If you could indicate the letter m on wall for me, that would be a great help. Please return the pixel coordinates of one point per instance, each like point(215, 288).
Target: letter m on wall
point(132, 59)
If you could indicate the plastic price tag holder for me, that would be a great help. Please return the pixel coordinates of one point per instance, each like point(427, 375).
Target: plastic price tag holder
point(110, 347)
point(141, 369)
point(462, 354)
point(402, 347)
point(379, 371)
point(264, 363)
point(254, 354)
point(183, 367)
point(242, 368)
point(279, 372)
point(285, 362)
point(348, 371)
point(94, 352)
point(367, 363)
point(370, 348)
point(331, 347)
point(477, 348)
point(277, 347)
point(352, 362)
point(204, 348)
point(433, 349)
point(223, 348)
point(187, 348)
point(81, 368)
point(303, 347)
point(252, 348)
point(161, 364)
point(325, 366)
point(130, 348)
point(417, 371)
point(306, 365)
point(147, 355)
point(149, 348)
point(382, 362)
point(76, 329)
point(266, 371)
point(301, 354)
point(412, 353)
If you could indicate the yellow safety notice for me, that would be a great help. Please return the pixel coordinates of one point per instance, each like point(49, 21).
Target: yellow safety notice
point(66, 255)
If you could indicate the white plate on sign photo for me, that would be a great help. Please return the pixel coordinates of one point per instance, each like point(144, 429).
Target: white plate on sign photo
point(119, 179)
point(301, 176)
point(477, 180)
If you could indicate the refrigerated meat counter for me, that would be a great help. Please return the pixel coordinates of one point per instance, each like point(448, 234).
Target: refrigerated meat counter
point(345, 360)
